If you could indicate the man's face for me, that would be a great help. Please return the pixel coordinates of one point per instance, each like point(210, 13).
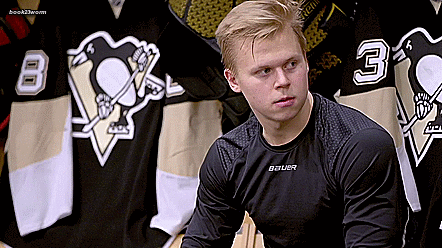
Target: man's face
point(273, 76)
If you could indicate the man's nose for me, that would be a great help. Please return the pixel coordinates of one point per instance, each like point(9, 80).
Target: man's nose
point(281, 79)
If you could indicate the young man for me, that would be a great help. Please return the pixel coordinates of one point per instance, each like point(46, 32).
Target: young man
point(310, 172)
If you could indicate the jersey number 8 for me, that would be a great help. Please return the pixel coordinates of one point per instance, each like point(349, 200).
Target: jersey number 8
point(32, 78)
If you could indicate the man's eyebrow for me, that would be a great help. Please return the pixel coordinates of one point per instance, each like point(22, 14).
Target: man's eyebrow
point(296, 57)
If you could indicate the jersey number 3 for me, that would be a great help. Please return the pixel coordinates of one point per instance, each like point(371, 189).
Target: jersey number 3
point(376, 54)
point(32, 78)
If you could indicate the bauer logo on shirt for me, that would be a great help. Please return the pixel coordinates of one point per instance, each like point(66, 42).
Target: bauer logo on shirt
point(419, 83)
point(286, 167)
point(111, 81)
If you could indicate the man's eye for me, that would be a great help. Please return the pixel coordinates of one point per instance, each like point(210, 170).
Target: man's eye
point(291, 65)
point(264, 71)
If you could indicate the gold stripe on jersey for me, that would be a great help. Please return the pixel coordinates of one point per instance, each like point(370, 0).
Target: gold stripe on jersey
point(189, 129)
point(36, 131)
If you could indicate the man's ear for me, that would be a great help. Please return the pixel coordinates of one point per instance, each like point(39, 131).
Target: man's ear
point(228, 74)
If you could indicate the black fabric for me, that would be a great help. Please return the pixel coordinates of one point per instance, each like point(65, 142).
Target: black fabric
point(198, 69)
point(334, 185)
point(114, 188)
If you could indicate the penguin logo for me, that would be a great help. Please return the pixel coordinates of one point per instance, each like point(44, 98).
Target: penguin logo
point(418, 68)
point(110, 82)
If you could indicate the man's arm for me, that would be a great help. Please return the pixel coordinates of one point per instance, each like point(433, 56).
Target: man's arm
point(215, 219)
point(374, 201)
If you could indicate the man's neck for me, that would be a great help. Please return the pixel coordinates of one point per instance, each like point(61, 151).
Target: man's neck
point(280, 133)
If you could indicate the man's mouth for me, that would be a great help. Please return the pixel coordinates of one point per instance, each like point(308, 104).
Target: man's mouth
point(284, 99)
point(285, 102)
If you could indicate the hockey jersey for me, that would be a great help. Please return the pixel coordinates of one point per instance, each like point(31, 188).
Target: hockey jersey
point(393, 75)
point(90, 95)
point(112, 75)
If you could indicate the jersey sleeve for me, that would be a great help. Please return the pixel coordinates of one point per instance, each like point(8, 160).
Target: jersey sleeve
point(374, 201)
point(188, 130)
point(39, 148)
point(216, 217)
point(368, 82)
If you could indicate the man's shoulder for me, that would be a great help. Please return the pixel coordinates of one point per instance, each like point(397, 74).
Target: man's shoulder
point(338, 118)
point(336, 124)
point(230, 145)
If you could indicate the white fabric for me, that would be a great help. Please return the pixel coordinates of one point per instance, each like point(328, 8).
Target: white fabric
point(176, 197)
point(408, 179)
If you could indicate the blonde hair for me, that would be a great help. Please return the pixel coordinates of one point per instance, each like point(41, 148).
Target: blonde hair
point(255, 20)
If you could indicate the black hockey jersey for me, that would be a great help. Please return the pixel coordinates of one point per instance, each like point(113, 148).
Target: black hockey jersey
point(100, 75)
point(393, 75)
